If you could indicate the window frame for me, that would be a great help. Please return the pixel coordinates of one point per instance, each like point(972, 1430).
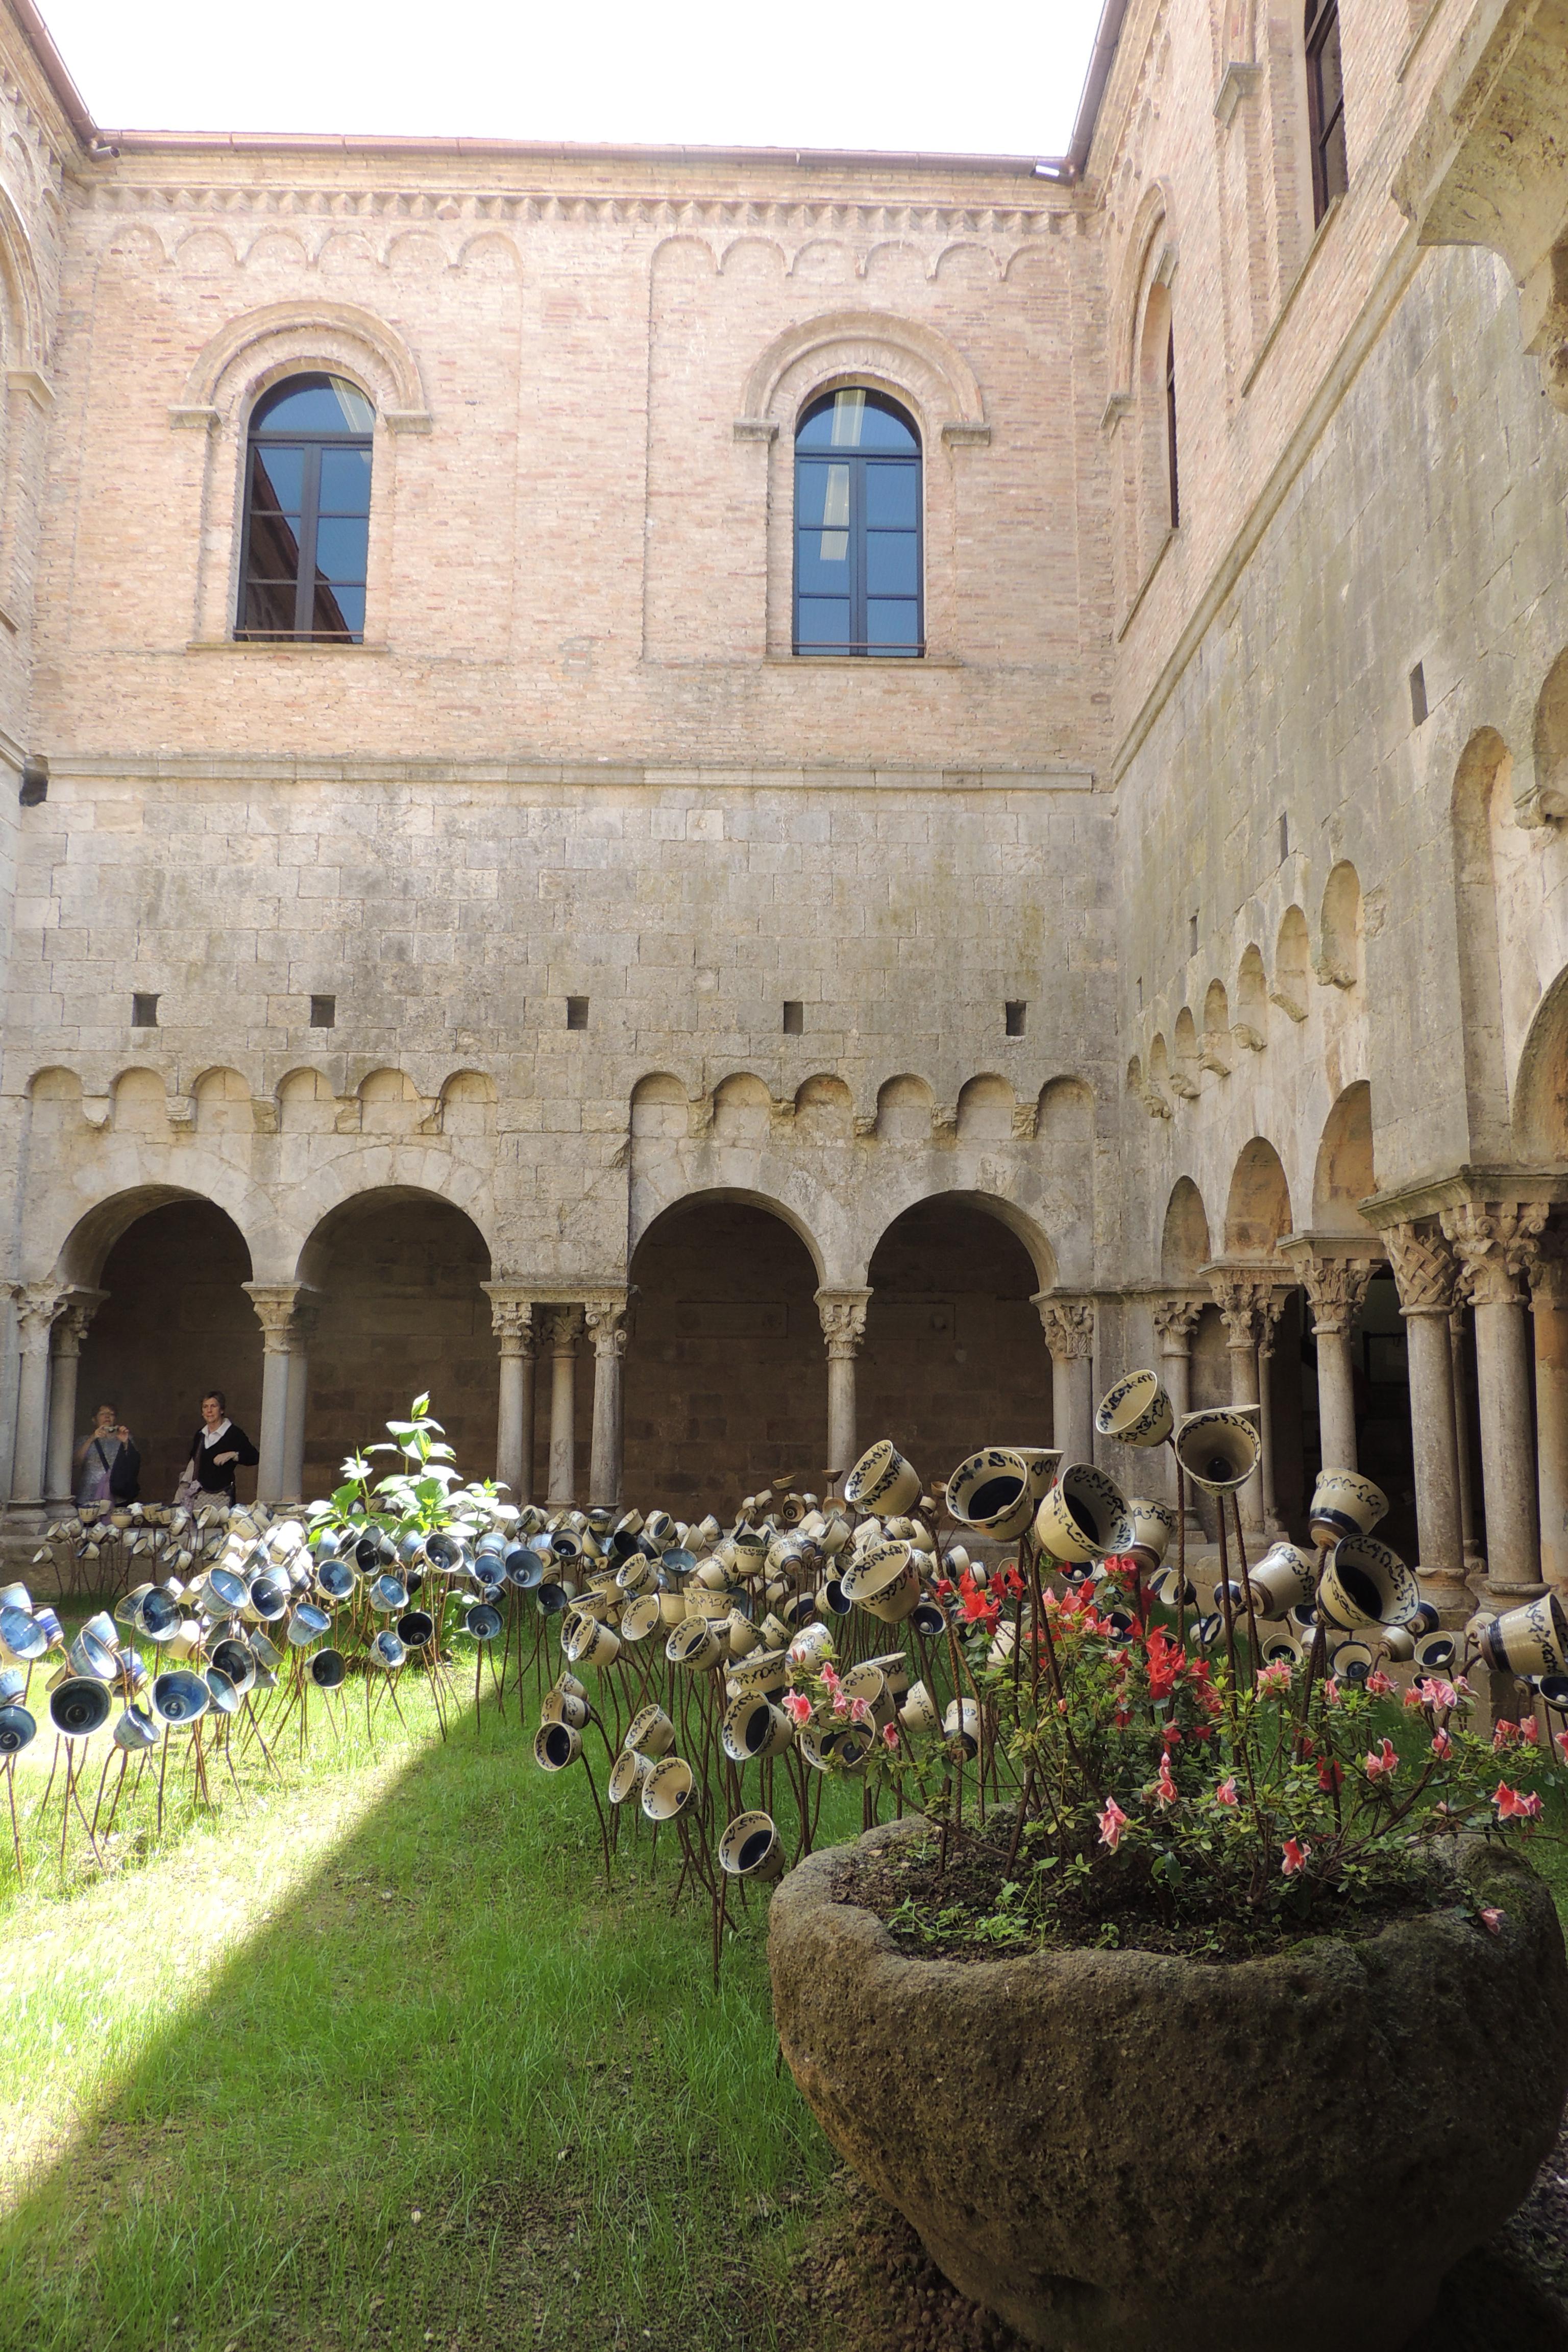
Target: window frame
point(1321, 28)
point(306, 586)
point(858, 647)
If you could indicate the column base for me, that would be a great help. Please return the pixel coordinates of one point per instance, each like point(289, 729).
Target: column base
point(1450, 1595)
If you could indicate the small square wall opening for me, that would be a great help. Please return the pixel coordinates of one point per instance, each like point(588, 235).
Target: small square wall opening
point(323, 1011)
point(793, 1017)
point(577, 1013)
point(144, 1010)
point(1418, 697)
point(1015, 1012)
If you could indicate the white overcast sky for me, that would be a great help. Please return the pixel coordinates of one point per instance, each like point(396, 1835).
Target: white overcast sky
point(711, 72)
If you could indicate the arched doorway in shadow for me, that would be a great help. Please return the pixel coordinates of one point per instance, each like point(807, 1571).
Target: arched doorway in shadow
point(955, 1357)
point(176, 1321)
point(726, 1374)
point(399, 1314)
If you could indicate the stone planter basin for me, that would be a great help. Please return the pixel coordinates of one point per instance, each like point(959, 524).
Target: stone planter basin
point(1116, 2151)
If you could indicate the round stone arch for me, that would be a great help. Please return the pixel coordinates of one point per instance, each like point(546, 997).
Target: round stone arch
point(243, 361)
point(394, 1276)
point(928, 378)
point(423, 1170)
point(955, 1356)
point(160, 1270)
point(726, 1374)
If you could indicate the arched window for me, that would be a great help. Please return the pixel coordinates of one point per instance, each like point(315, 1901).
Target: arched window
point(857, 528)
point(1325, 104)
point(307, 512)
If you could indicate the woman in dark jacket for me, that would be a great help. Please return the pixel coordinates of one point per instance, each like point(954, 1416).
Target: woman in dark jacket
point(218, 1449)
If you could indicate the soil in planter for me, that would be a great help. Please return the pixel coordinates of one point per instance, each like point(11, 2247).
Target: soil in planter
point(979, 1908)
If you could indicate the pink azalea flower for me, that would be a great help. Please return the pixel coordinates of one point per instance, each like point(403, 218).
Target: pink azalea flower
point(1561, 1744)
point(841, 1701)
point(1112, 1822)
point(1165, 1789)
point(1378, 1685)
point(890, 1734)
point(1442, 1746)
point(1413, 1696)
point(1491, 1920)
point(1384, 1765)
point(1274, 1679)
point(861, 1710)
point(1432, 1693)
point(830, 1678)
point(1331, 1690)
point(1511, 1806)
point(1504, 1735)
point(1529, 1730)
point(1226, 1794)
point(1295, 1859)
point(797, 1706)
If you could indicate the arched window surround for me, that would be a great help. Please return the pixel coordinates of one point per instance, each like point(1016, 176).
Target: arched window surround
point(242, 362)
point(933, 383)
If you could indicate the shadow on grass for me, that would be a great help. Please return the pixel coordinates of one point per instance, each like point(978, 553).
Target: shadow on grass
point(455, 2094)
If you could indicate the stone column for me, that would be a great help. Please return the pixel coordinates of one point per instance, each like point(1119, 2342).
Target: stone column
point(1495, 1242)
point(275, 1303)
point(301, 1333)
point(1475, 1565)
point(1424, 1273)
point(1549, 1299)
point(562, 1330)
point(512, 1320)
point(38, 1305)
point(59, 1484)
point(1176, 1321)
point(843, 1316)
point(1241, 1298)
point(606, 1322)
point(1335, 1286)
point(1271, 1306)
point(1068, 1326)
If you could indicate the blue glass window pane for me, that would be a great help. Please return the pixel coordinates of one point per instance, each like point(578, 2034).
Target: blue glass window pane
point(891, 623)
point(313, 405)
point(823, 621)
point(891, 567)
point(276, 481)
point(341, 543)
point(821, 562)
point(345, 481)
point(892, 494)
point(339, 611)
point(856, 419)
point(822, 494)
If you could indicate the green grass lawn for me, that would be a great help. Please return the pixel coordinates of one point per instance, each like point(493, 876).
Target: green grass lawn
point(377, 2061)
point(370, 2057)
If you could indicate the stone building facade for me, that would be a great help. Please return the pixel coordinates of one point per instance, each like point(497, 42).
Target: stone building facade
point(679, 1049)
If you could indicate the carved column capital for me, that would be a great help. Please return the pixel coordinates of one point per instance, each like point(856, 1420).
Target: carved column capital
point(607, 1323)
point(1336, 1287)
point(511, 1318)
point(1067, 1322)
point(1423, 1270)
point(1242, 1299)
point(562, 1328)
point(1176, 1321)
point(81, 1305)
point(285, 1311)
point(843, 1316)
point(1496, 1243)
point(39, 1305)
point(1548, 1269)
